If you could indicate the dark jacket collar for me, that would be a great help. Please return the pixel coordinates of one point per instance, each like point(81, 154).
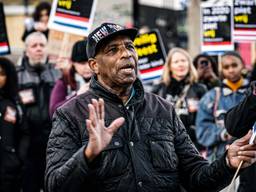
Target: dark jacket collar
point(104, 93)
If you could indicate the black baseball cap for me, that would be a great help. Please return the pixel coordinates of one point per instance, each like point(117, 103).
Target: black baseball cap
point(105, 32)
point(79, 52)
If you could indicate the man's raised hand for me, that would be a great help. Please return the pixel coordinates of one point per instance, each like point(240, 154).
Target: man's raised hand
point(99, 135)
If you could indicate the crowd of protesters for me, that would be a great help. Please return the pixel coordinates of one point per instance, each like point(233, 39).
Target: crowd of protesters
point(206, 95)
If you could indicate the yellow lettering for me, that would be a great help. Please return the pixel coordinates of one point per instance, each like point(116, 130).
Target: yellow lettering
point(210, 33)
point(145, 39)
point(65, 3)
point(153, 38)
point(241, 18)
point(148, 50)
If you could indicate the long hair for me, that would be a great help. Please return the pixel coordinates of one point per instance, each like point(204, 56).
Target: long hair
point(39, 8)
point(11, 86)
point(192, 76)
point(68, 76)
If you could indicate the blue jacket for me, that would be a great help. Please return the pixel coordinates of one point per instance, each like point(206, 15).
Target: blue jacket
point(210, 127)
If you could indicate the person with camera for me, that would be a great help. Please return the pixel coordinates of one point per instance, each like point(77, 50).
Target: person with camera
point(207, 70)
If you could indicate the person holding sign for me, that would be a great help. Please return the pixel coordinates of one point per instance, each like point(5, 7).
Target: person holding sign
point(116, 137)
point(238, 121)
point(179, 86)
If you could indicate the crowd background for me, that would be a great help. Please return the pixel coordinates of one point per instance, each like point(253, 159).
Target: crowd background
point(188, 79)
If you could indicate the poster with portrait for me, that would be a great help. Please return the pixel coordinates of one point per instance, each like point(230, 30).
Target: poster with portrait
point(71, 16)
point(4, 43)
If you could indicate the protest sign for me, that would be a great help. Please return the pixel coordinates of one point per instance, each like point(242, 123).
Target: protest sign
point(60, 45)
point(151, 55)
point(244, 20)
point(4, 43)
point(216, 28)
point(73, 17)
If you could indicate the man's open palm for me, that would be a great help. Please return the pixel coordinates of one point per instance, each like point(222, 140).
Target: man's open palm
point(99, 135)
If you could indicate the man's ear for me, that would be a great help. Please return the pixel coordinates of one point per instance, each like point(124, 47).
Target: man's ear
point(93, 65)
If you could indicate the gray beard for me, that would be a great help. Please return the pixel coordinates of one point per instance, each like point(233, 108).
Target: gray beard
point(37, 63)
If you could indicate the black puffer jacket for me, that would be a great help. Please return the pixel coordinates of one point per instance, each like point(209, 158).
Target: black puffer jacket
point(150, 152)
point(35, 86)
point(13, 144)
point(238, 121)
point(187, 109)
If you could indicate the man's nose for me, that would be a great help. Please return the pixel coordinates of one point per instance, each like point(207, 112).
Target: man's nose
point(126, 52)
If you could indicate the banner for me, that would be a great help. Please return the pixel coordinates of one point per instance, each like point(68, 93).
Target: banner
point(73, 17)
point(4, 43)
point(151, 53)
point(216, 28)
point(60, 45)
point(244, 20)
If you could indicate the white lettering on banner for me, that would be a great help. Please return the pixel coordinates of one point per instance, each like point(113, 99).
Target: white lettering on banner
point(245, 3)
point(220, 18)
point(242, 10)
point(207, 26)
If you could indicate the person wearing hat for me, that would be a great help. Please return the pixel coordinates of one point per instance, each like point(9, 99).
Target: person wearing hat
point(116, 137)
point(75, 80)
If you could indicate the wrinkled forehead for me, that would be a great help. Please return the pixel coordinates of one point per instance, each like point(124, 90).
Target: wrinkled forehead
point(36, 40)
point(114, 41)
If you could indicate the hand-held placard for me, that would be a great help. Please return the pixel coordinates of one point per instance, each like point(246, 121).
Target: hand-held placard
point(251, 141)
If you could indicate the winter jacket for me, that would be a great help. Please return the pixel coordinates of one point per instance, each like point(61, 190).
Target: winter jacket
point(35, 86)
point(151, 151)
point(238, 121)
point(13, 144)
point(60, 94)
point(188, 106)
point(210, 129)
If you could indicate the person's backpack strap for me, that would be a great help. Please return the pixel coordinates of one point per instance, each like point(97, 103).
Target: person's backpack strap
point(216, 101)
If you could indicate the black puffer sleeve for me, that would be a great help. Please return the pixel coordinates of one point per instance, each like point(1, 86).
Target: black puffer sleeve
point(67, 168)
point(240, 119)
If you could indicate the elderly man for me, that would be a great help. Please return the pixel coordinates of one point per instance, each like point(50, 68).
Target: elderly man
point(131, 140)
point(36, 79)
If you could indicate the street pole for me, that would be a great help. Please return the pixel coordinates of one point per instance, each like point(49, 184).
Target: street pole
point(26, 7)
point(193, 18)
point(135, 10)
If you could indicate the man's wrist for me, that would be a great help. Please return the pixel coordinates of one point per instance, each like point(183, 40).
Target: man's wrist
point(89, 154)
